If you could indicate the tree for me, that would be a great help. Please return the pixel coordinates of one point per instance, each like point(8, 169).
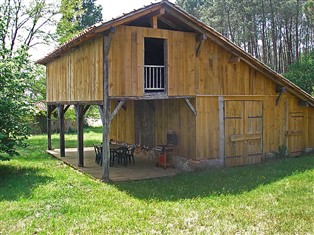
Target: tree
point(301, 73)
point(76, 16)
point(26, 23)
point(309, 10)
point(274, 31)
point(15, 106)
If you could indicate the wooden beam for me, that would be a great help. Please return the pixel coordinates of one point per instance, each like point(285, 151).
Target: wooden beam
point(234, 59)
point(50, 109)
point(66, 108)
point(221, 129)
point(280, 89)
point(155, 18)
point(116, 110)
point(191, 106)
point(79, 111)
point(200, 39)
point(60, 109)
point(154, 22)
point(171, 24)
point(106, 109)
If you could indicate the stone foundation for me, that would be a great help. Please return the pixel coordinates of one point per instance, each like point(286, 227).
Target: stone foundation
point(190, 165)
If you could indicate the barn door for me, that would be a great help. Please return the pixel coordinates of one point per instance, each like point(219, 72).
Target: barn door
point(243, 132)
point(295, 133)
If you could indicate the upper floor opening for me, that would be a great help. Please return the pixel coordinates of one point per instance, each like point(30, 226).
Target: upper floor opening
point(155, 79)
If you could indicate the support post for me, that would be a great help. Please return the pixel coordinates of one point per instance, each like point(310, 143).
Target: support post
point(50, 109)
point(221, 130)
point(61, 129)
point(80, 111)
point(106, 109)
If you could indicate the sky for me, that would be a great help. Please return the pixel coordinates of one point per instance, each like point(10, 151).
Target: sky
point(111, 9)
point(114, 8)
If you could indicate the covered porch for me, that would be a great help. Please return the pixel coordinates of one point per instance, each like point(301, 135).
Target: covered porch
point(144, 168)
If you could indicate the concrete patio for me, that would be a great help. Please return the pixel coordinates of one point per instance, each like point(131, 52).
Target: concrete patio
point(142, 169)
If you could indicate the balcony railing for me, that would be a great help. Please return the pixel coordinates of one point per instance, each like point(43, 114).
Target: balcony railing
point(154, 78)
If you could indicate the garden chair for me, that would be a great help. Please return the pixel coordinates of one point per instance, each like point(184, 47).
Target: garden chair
point(119, 154)
point(98, 153)
point(130, 153)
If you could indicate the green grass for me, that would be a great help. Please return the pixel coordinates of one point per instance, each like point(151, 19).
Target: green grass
point(40, 195)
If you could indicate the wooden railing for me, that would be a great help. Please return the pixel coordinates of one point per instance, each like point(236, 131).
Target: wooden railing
point(154, 78)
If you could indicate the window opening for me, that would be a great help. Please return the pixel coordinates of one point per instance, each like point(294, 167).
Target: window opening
point(154, 67)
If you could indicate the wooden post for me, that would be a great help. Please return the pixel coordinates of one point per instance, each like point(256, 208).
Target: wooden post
point(106, 109)
point(221, 129)
point(80, 111)
point(50, 109)
point(61, 129)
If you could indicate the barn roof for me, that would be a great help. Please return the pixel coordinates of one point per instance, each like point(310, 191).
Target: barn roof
point(171, 17)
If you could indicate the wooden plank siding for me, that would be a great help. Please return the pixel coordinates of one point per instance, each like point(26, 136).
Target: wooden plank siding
point(207, 127)
point(122, 125)
point(77, 76)
point(287, 123)
point(174, 114)
point(310, 127)
point(126, 60)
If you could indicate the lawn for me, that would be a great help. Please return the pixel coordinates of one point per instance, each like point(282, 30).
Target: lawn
point(40, 195)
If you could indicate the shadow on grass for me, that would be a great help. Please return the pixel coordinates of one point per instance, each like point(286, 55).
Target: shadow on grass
point(17, 182)
point(216, 182)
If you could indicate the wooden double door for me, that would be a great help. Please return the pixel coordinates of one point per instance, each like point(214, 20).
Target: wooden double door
point(243, 128)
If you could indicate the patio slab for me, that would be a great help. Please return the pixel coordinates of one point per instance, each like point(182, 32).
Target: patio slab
point(142, 169)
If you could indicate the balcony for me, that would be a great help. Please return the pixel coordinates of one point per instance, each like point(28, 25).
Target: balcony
point(154, 78)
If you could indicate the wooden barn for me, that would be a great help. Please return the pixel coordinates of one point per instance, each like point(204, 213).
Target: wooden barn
point(158, 69)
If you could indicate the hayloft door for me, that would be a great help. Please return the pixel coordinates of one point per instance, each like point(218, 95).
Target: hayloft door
point(243, 132)
point(295, 133)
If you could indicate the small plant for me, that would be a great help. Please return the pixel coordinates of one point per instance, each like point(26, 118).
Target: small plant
point(282, 151)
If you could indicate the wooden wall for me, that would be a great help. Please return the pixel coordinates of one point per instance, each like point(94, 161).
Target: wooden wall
point(126, 61)
point(216, 76)
point(286, 123)
point(77, 75)
point(310, 127)
point(207, 128)
point(174, 114)
point(122, 125)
